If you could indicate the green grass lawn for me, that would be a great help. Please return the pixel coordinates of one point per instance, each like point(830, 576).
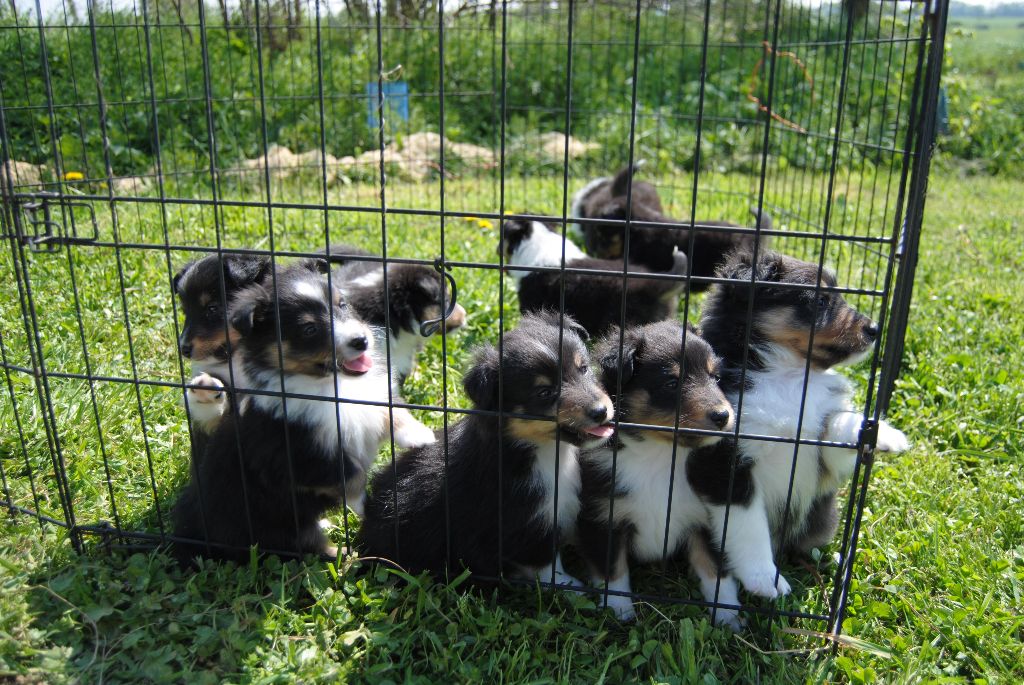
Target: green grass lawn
point(937, 586)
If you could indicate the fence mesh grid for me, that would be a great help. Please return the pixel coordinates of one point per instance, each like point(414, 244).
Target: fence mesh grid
point(140, 135)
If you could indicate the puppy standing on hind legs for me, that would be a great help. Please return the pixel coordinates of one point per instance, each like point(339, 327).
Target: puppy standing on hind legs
point(203, 287)
point(276, 464)
point(791, 327)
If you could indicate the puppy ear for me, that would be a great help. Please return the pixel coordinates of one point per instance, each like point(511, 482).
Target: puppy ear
point(514, 231)
point(631, 343)
point(481, 383)
point(241, 270)
point(248, 310)
point(317, 265)
point(571, 324)
point(181, 274)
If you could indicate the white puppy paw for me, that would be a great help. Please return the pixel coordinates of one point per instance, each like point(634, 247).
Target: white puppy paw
point(206, 404)
point(414, 434)
point(762, 582)
point(891, 439)
point(622, 607)
point(728, 618)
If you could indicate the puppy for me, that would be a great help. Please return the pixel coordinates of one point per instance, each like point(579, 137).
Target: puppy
point(649, 245)
point(595, 301)
point(204, 286)
point(664, 382)
point(276, 464)
point(496, 490)
point(206, 334)
point(780, 345)
point(413, 297)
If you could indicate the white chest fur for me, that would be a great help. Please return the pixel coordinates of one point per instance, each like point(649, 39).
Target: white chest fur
point(403, 348)
point(644, 471)
point(563, 470)
point(361, 427)
point(772, 407)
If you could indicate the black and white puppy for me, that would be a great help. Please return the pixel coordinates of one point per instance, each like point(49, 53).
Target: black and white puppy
point(413, 297)
point(664, 382)
point(207, 336)
point(594, 300)
point(496, 491)
point(789, 327)
point(652, 246)
point(275, 465)
point(204, 286)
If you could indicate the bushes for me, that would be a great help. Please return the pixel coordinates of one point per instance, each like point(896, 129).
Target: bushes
point(271, 96)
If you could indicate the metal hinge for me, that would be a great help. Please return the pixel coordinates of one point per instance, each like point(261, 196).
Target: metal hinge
point(45, 230)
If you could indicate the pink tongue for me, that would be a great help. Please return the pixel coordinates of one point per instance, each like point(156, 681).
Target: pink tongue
point(360, 364)
point(603, 431)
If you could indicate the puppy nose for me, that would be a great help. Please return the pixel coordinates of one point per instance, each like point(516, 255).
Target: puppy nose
point(871, 330)
point(598, 413)
point(719, 417)
point(359, 343)
point(186, 349)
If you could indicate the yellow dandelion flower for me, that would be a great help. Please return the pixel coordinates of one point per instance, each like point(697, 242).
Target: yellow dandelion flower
point(470, 218)
point(74, 176)
point(484, 223)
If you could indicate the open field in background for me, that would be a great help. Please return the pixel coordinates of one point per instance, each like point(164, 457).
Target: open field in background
point(984, 76)
point(937, 584)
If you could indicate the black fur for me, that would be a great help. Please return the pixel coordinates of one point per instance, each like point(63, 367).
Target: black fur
point(285, 498)
point(653, 246)
point(410, 505)
point(596, 300)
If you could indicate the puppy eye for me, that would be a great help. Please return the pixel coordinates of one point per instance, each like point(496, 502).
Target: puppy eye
point(823, 302)
point(309, 330)
point(716, 378)
point(583, 368)
point(672, 384)
point(546, 392)
point(213, 310)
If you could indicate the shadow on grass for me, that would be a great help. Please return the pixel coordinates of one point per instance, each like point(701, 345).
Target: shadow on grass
point(117, 615)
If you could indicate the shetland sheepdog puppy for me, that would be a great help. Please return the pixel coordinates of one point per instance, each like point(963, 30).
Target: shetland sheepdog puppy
point(508, 488)
point(413, 298)
point(798, 321)
point(593, 300)
point(204, 286)
point(276, 463)
point(652, 246)
point(647, 510)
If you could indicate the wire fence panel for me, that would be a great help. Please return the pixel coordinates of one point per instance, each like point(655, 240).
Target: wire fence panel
point(138, 137)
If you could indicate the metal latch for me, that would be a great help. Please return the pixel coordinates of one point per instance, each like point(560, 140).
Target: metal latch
point(46, 215)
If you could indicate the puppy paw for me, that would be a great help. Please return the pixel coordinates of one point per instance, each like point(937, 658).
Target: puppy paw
point(762, 582)
point(891, 439)
point(728, 618)
point(206, 404)
point(414, 435)
point(622, 607)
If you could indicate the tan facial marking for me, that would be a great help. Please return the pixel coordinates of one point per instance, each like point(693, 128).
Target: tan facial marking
point(457, 318)
point(530, 430)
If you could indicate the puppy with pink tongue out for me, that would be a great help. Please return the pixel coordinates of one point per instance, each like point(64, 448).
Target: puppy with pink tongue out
point(301, 439)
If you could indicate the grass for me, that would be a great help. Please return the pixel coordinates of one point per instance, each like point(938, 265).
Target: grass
point(938, 579)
